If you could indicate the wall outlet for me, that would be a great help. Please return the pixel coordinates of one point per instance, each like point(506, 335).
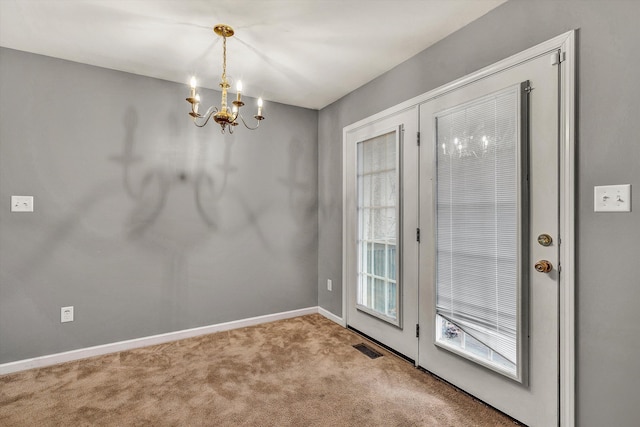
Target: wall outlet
point(329, 285)
point(21, 203)
point(66, 314)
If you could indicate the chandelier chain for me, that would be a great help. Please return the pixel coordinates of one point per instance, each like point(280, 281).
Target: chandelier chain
point(224, 59)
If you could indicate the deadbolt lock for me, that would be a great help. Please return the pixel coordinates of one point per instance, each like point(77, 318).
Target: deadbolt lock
point(543, 266)
point(545, 239)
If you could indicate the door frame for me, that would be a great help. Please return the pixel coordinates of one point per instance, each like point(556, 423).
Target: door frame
point(566, 44)
point(405, 124)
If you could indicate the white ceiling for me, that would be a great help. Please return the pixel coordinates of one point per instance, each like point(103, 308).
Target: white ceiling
point(307, 53)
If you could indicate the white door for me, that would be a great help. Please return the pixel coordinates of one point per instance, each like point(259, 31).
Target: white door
point(380, 224)
point(489, 216)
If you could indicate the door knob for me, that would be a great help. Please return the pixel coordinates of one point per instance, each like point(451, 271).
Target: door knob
point(543, 266)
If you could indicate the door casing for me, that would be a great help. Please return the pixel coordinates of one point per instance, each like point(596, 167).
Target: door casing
point(538, 182)
point(565, 43)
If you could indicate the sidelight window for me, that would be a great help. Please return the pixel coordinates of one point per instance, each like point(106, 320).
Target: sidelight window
point(378, 201)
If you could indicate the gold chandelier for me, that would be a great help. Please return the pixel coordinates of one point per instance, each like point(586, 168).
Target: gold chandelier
point(224, 115)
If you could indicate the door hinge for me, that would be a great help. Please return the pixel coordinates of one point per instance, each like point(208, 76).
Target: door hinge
point(418, 235)
point(417, 330)
point(557, 57)
point(418, 138)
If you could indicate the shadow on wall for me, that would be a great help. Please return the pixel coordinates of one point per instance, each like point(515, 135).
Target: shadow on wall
point(330, 182)
point(176, 198)
point(175, 167)
point(301, 195)
point(168, 194)
point(177, 176)
point(180, 197)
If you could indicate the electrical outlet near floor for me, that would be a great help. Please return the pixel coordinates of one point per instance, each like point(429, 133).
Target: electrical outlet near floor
point(66, 314)
point(329, 285)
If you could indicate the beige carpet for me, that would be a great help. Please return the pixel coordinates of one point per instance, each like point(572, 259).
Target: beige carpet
point(297, 372)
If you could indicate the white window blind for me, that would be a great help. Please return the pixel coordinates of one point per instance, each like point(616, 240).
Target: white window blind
point(479, 237)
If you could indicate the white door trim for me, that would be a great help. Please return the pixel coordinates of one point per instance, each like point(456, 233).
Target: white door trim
point(566, 44)
point(567, 231)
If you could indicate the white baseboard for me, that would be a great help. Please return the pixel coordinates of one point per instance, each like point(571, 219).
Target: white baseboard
point(329, 315)
point(83, 353)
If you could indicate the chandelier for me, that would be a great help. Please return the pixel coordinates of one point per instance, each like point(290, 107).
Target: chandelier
point(226, 117)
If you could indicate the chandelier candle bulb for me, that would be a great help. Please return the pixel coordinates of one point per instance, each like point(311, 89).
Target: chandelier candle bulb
point(239, 89)
point(195, 106)
point(192, 93)
point(260, 106)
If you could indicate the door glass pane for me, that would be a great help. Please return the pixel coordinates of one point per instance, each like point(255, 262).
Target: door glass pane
point(378, 179)
point(479, 223)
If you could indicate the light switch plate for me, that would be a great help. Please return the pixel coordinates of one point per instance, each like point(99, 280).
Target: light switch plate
point(612, 198)
point(21, 203)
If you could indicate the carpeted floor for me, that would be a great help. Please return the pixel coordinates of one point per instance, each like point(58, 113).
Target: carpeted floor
point(296, 372)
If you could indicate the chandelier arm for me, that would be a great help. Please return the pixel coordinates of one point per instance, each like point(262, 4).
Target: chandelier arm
point(247, 126)
point(208, 115)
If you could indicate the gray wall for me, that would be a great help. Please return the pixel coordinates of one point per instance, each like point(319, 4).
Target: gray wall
point(143, 222)
point(608, 125)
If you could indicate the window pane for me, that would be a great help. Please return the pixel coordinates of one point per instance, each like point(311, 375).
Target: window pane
point(377, 226)
point(392, 295)
point(455, 337)
point(391, 262)
point(477, 222)
point(379, 296)
point(379, 262)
